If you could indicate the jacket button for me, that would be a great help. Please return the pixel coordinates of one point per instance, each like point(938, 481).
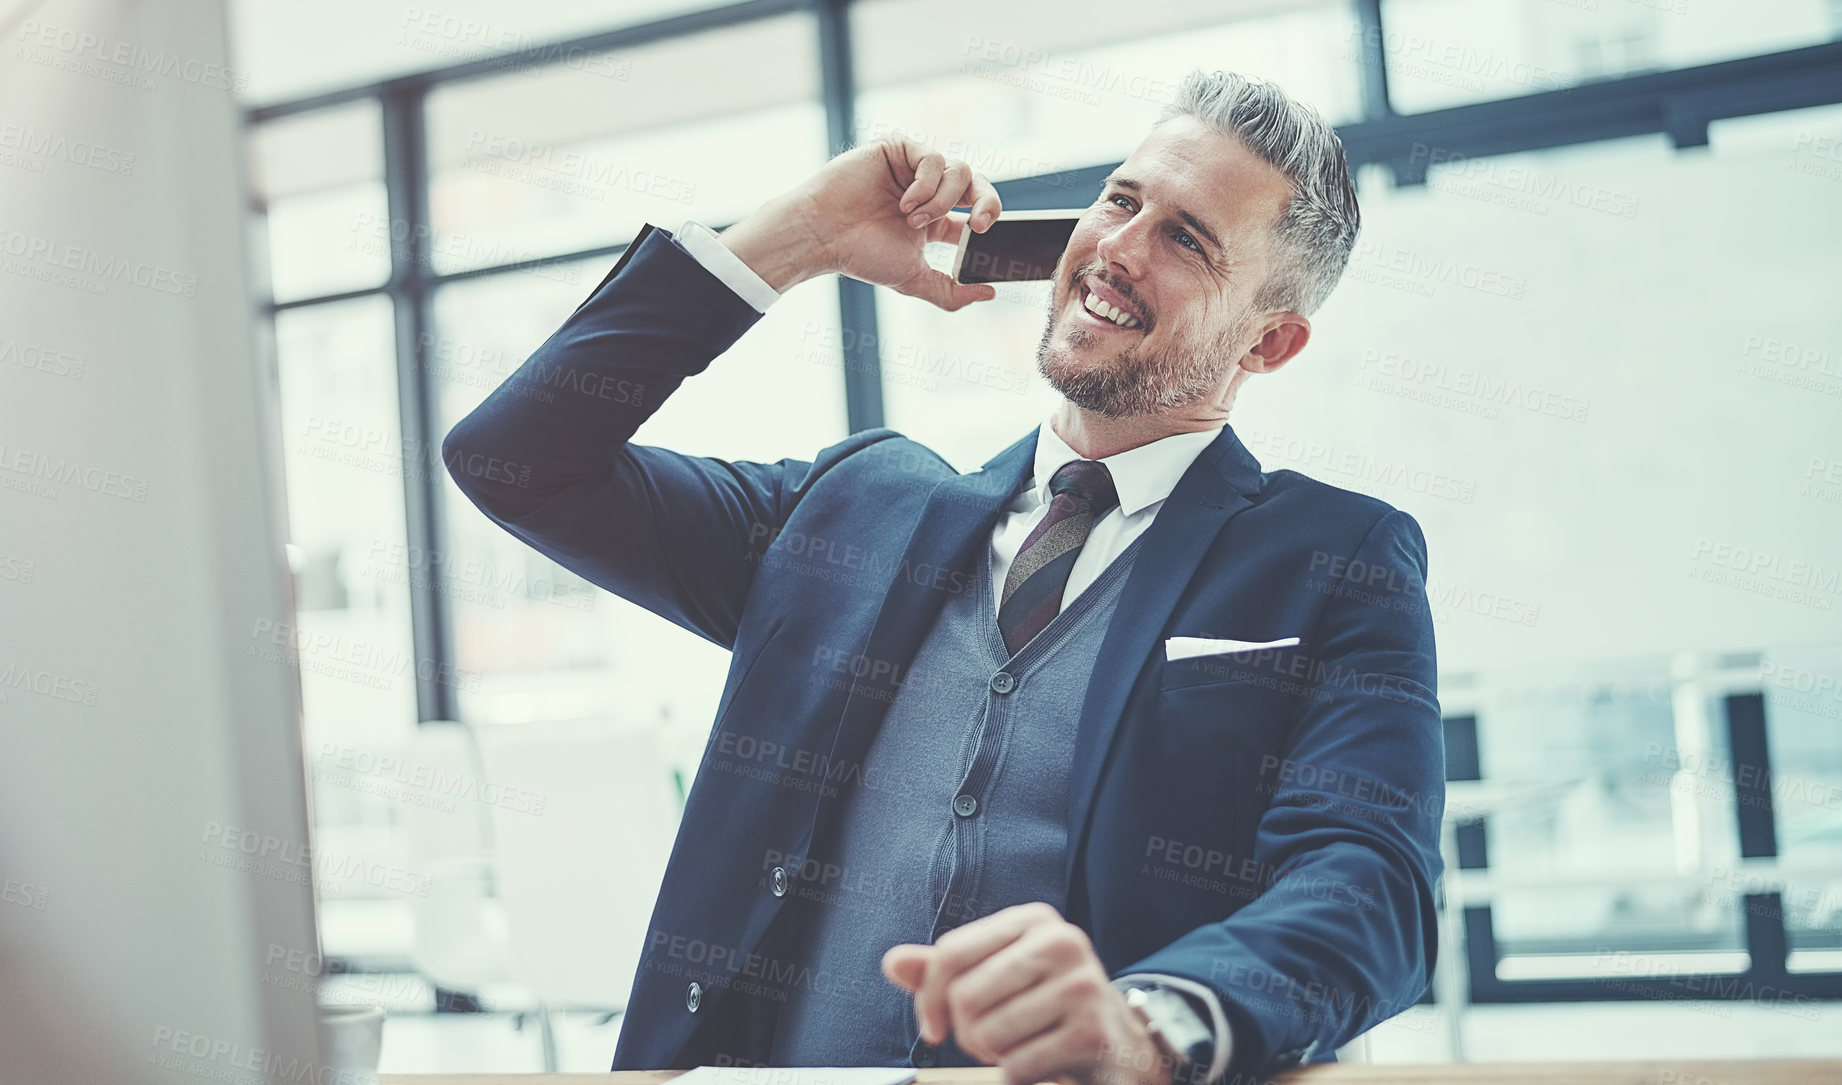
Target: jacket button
point(924, 1056)
point(777, 881)
point(693, 997)
point(965, 806)
point(1002, 682)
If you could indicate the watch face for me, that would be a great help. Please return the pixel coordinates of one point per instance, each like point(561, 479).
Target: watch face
point(1170, 1017)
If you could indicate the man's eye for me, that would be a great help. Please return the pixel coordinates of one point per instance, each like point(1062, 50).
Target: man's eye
point(1183, 236)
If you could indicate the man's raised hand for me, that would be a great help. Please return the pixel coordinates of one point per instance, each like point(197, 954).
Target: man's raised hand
point(867, 214)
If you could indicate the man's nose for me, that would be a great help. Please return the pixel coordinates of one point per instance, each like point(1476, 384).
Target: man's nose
point(1122, 249)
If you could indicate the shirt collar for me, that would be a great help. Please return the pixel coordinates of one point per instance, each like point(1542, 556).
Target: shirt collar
point(1141, 476)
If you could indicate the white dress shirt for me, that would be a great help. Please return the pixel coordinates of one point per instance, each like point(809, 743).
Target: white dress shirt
point(1143, 477)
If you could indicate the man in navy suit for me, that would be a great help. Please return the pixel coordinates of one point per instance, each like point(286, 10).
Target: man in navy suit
point(1115, 761)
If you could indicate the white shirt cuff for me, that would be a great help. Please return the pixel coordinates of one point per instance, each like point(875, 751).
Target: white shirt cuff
point(1224, 1039)
point(702, 243)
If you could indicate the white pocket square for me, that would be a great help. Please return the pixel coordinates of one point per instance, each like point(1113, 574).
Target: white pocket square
point(1185, 647)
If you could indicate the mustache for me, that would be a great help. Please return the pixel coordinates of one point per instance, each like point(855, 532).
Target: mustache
point(1098, 272)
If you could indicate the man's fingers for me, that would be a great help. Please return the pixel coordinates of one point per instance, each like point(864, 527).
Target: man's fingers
point(961, 948)
point(1014, 1023)
point(939, 288)
point(905, 964)
point(1001, 1000)
point(928, 167)
point(947, 228)
point(984, 202)
point(955, 181)
point(941, 184)
point(1057, 1053)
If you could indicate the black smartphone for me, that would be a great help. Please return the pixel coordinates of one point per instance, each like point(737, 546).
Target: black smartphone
point(1019, 247)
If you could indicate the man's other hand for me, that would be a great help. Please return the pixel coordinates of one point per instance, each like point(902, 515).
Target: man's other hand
point(1023, 990)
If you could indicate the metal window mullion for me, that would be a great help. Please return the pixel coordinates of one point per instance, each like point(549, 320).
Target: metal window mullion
point(410, 290)
point(1679, 103)
point(863, 370)
point(1372, 62)
point(1750, 766)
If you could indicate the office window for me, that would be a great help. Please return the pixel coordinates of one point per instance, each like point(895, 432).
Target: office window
point(319, 180)
point(1444, 53)
point(1632, 807)
point(545, 644)
point(570, 158)
point(344, 460)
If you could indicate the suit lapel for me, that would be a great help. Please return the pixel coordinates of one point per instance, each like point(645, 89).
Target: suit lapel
point(1217, 485)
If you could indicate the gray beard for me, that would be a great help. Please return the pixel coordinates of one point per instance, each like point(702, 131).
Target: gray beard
point(1137, 381)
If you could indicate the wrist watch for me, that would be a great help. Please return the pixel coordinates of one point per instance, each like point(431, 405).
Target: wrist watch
point(1171, 1019)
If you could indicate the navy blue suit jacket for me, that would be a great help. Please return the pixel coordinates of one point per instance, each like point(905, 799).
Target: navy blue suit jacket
point(1265, 823)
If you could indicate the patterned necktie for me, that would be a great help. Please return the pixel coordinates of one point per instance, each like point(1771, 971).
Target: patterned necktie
point(1083, 493)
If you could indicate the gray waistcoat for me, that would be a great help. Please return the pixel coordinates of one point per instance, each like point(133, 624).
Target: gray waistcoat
point(960, 811)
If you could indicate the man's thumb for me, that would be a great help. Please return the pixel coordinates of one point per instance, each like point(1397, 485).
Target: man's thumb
point(939, 288)
point(906, 964)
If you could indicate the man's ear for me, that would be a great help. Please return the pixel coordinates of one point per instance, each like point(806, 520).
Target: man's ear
point(1282, 336)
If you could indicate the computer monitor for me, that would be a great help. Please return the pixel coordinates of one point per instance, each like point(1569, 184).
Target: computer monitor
point(156, 906)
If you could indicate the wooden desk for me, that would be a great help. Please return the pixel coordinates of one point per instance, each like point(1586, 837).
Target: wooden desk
point(1685, 1072)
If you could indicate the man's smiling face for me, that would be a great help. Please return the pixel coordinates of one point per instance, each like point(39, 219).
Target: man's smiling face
point(1179, 243)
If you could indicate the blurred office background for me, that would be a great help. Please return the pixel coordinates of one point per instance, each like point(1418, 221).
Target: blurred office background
point(1590, 338)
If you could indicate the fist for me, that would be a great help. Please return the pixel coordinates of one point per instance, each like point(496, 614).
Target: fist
point(1023, 989)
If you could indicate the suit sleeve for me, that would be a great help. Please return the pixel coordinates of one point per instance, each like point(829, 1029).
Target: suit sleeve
point(549, 454)
point(1344, 933)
